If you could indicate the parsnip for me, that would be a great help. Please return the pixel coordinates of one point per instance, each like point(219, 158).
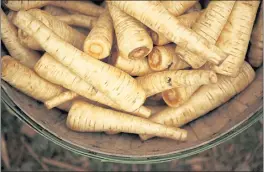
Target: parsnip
point(208, 26)
point(16, 50)
point(28, 82)
point(136, 67)
point(55, 11)
point(132, 37)
point(87, 8)
point(235, 37)
point(187, 20)
point(84, 117)
point(99, 41)
point(64, 31)
point(160, 81)
point(157, 18)
point(177, 8)
point(255, 55)
point(207, 98)
point(78, 20)
point(53, 71)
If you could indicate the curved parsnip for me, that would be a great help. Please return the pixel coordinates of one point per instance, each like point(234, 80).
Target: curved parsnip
point(177, 8)
point(78, 20)
point(9, 37)
point(55, 11)
point(87, 8)
point(157, 18)
point(235, 37)
point(60, 99)
point(207, 98)
point(84, 117)
point(28, 82)
point(177, 96)
point(160, 81)
point(53, 71)
point(136, 67)
point(99, 41)
point(187, 20)
point(208, 26)
point(132, 37)
point(255, 56)
point(64, 31)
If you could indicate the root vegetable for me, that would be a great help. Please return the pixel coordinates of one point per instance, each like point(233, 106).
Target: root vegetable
point(187, 20)
point(28, 82)
point(84, 117)
point(55, 11)
point(136, 67)
point(162, 21)
point(235, 37)
point(86, 8)
point(53, 71)
point(64, 31)
point(208, 26)
point(207, 98)
point(255, 56)
point(78, 20)
point(160, 81)
point(177, 8)
point(132, 37)
point(16, 50)
point(177, 96)
point(99, 41)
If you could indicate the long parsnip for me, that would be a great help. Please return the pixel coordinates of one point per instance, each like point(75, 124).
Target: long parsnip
point(136, 67)
point(9, 37)
point(255, 55)
point(207, 98)
point(87, 8)
point(28, 82)
point(160, 81)
point(84, 117)
point(64, 31)
point(99, 41)
point(178, 7)
point(187, 20)
point(53, 71)
point(156, 17)
point(235, 37)
point(208, 26)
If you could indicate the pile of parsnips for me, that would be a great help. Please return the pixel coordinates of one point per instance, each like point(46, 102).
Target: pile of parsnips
point(100, 63)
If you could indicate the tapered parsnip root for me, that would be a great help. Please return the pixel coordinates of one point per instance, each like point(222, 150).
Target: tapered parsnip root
point(178, 7)
point(78, 20)
point(160, 81)
point(55, 72)
point(177, 96)
point(28, 82)
point(235, 37)
point(209, 26)
point(60, 99)
point(136, 67)
point(55, 11)
point(99, 41)
point(187, 20)
point(84, 117)
point(86, 8)
point(207, 98)
point(157, 18)
point(132, 37)
point(255, 55)
point(64, 31)
point(16, 50)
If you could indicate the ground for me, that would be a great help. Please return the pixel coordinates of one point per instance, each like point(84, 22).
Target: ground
point(25, 150)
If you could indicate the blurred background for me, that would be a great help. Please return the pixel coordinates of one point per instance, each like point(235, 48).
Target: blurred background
point(25, 150)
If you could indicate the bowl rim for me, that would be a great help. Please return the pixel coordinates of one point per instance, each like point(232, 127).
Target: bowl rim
point(232, 132)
